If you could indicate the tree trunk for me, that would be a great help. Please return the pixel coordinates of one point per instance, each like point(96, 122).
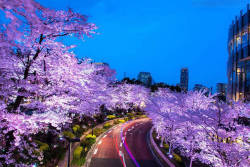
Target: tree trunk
point(169, 149)
point(17, 103)
point(14, 106)
point(161, 145)
point(191, 162)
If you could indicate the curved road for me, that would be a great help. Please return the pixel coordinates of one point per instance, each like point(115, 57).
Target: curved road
point(125, 146)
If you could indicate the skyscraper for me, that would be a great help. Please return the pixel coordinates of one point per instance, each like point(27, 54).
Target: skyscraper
point(184, 79)
point(221, 89)
point(238, 68)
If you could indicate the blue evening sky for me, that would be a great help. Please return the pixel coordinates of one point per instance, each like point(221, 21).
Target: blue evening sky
point(158, 36)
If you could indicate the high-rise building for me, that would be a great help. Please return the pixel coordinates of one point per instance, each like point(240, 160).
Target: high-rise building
point(145, 78)
point(184, 79)
point(221, 89)
point(200, 87)
point(238, 68)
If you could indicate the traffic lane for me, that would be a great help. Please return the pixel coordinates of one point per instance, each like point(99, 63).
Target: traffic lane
point(136, 140)
point(105, 153)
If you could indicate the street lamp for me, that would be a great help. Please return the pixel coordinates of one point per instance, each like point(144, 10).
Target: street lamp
point(93, 127)
point(70, 141)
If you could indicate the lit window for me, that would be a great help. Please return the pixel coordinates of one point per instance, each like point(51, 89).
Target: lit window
point(244, 39)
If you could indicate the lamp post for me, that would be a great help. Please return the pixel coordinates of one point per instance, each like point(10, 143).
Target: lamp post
point(70, 141)
point(93, 126)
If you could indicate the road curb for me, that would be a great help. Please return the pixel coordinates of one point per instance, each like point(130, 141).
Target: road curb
point(156, 151)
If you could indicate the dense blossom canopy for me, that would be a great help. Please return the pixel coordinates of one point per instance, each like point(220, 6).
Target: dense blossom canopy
point(43, 86)
point(201, 127)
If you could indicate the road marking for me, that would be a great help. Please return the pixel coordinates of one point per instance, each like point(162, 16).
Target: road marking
point(100, 142)
point(95, 151)
point(104, 136)
point(120, 152)
point(121, 144)
point(123, 160)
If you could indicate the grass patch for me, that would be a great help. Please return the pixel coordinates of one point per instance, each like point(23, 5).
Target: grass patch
point(78, 162)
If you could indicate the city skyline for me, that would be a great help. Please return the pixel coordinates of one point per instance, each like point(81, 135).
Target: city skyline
point(140, 37)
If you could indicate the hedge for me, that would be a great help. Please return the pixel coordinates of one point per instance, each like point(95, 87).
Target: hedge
point(177, 158)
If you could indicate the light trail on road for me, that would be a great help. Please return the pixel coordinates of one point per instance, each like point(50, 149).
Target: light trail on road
point(125, 146)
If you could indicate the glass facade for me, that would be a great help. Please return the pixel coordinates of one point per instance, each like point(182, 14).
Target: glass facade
point(238, 65)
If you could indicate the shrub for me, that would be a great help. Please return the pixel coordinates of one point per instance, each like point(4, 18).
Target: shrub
point(68, 134)
point(177, 158)
point(111, 116)
point(88, 141)
point(121, 121)
point(78, 162)
point(76, 128)
point(139, 113)
point(130, 114)
point(78, 152)
point(126, 118)
point(98, 131)
point(166, 147)
point(42, 146)
point(106, 125)
point(89, 136)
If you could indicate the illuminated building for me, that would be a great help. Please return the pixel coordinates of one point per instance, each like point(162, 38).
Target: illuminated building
point(221, 89)
point(238, 67)
point(200, 87)
point(184, 79)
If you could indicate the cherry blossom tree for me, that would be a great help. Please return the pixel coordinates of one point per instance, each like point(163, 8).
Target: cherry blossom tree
point(40, 75)
point(226, 139)
point(29, 46)
point(164, 107)
point(205, 130)
point(127, 96)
